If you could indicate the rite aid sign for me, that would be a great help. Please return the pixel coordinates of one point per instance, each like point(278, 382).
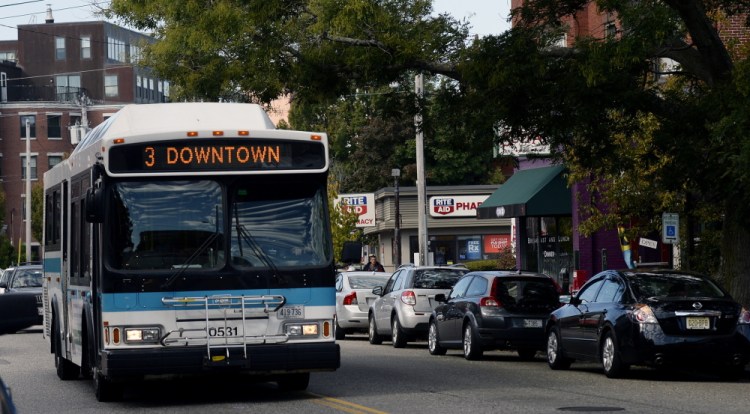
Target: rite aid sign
point(362, 204)
point(455, 206)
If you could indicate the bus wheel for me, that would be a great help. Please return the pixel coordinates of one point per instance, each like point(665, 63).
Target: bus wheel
point(86, 359)
point(294, 382)
point(106, 390)
point(66, 370)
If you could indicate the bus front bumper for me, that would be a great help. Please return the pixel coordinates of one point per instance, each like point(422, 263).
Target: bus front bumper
point(261, 360)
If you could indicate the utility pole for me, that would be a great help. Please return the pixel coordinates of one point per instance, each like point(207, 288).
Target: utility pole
point(421, 182)
point(396, 173)
point(27, 216)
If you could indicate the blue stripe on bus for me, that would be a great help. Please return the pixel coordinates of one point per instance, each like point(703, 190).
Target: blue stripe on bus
point(135, 301)
point(52, 265)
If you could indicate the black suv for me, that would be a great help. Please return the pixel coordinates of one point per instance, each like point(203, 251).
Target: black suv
point(25, 280)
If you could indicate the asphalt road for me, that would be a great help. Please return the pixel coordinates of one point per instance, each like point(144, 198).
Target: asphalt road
point(381, 379)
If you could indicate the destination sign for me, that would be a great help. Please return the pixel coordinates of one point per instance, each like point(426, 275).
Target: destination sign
point(216, 155)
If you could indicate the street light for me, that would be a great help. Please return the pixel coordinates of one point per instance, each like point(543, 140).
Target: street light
point(396, 173)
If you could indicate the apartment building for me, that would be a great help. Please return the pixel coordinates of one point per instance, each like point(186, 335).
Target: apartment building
point(58, 80)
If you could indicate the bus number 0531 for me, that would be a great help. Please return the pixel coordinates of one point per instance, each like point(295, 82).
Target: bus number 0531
point(223, 331)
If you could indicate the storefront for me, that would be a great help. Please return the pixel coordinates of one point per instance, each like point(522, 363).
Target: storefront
point(453, 232)
point(540, 200)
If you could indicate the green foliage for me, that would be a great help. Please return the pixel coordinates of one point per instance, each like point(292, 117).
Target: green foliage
point(343, 223)
point(37, 211)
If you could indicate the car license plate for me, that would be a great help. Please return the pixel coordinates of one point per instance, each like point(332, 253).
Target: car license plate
point(698, 323)
point(291, 312)
point(532, 323)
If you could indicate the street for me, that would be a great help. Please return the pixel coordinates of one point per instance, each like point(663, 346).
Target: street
point(380, 379)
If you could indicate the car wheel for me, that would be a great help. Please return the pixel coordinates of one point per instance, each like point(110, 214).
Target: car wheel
point(372, 332)
point(611, 362)
point(294, 382)
point(339, 331)
point(526, 354)
point(397, 334)
point(472, 347)
point(433, 340)
point(66, 370)
point(555, 357)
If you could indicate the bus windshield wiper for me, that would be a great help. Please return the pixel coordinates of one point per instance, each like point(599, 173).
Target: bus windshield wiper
point(245, 235)
point(210, 239)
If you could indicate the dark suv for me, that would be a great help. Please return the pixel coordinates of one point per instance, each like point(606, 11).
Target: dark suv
point(25, 279)
point(404, 305)
point(494, 310)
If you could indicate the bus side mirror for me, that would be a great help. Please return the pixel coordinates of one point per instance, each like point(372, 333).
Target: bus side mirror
point(94, 205)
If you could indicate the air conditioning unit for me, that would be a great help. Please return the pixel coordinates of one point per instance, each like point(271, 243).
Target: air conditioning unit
point(76, 134)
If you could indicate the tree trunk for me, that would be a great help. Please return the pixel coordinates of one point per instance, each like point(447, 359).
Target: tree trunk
point(734, 271)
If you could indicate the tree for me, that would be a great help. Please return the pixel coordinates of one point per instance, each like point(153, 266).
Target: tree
point(343, 222)
point(643, 144)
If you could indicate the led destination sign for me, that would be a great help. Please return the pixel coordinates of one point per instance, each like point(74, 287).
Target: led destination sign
point(216, 155)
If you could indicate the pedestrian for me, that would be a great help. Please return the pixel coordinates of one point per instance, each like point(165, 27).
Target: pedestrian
point(373, 265)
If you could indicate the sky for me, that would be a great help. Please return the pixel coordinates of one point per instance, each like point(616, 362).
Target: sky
point(485, 16)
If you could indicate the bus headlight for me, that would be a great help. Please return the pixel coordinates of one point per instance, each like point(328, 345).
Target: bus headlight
point(142, 335)
point(307, 329)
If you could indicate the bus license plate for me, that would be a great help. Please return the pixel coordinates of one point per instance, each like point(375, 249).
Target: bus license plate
point(698, 323)
point(532, 323)
point(291, 312)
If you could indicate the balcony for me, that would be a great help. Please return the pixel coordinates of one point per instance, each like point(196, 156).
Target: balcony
point(63, 94)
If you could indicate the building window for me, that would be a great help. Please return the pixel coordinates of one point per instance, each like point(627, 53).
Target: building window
point(32, 126)
point(32, 164)
point(60, 48)
point(53, 160)
point(53, 126)
point(116, 50)
point(68, 87)
point(86, 47)
point(10, 56)
point(110, 85)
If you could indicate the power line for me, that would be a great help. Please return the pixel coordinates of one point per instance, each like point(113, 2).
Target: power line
point(19, 3)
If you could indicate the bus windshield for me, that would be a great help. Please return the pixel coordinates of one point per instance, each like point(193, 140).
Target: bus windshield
point(168, 225)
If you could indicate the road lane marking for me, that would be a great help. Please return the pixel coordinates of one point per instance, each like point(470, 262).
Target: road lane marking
point(342, 405)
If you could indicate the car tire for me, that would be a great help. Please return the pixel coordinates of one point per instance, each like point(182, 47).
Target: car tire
point(294, 382)
point(610, 357)
point(398, 337)
point(526, 354)
point(555, 358)
point(339, 331)
point(471, 344)
point(372, 332)
point(433, 340)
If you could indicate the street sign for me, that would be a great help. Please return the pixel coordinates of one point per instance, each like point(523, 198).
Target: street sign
point(670, 223)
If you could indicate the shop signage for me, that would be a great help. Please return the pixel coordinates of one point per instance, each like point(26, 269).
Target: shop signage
point(362, 204)
point(496, 243)
point(455, 206)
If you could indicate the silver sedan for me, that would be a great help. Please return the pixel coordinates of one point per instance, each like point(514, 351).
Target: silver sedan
point(353, 298)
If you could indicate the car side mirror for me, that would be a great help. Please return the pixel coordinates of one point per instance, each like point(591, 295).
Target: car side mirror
point(378, 290)
point(440, 297)
point(574, 301)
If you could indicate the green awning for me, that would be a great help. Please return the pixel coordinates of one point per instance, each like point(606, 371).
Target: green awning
point(535, 192)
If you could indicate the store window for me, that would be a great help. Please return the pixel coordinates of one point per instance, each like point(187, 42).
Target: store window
point(469, 248)
point(549, 246)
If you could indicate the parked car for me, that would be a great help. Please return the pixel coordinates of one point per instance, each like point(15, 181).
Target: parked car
point(403, 307)
point(6, 401)
point(4, 278)
point(18, 310)
point(353, 298)
point(25, 280)
point(655, 318)
point(489, 310)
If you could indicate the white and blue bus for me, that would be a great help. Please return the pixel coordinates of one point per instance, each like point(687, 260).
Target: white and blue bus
point(187, 238)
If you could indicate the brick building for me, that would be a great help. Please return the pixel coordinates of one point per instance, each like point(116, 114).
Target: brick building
point(63, 78)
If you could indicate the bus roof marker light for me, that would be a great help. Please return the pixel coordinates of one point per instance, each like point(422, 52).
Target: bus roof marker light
point(316, 137)
point(243, 133)
point(192, 133)
point(218, 133)
point(119, 141)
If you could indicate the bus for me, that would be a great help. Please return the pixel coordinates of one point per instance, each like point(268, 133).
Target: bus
point(189, 238)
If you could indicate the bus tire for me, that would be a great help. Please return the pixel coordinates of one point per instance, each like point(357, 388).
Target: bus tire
point(294, 382)
point(105, 389)
point(86, 357)
point(66, 370)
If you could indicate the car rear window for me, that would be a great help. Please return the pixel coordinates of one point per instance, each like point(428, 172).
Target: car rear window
point(366, 282)
point(673, 285)
point(437, 278)
point(520, 290)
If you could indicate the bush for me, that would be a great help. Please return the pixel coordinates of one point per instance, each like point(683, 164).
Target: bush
point(505, 261)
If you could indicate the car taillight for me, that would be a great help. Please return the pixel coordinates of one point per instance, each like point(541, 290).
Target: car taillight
point(489, 301)
point(643, 314)
point(409, 298)
point(350, 299)
point(744, 318)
